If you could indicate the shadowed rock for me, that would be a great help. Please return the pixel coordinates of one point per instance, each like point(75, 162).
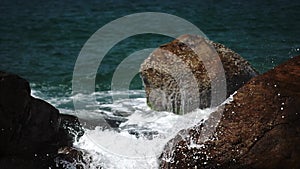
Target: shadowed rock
point(259, 129)
point(177, 79)
point(30, 128)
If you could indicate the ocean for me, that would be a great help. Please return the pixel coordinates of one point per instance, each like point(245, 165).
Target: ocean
point(41, 41)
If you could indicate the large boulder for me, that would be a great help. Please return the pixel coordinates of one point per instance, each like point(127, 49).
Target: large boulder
point(30, 128)
point(260, 128)
point(168, 69)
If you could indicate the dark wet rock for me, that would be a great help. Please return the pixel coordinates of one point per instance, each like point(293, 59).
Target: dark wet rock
point(140, 132)
point(31, 128)
point(259, 129)
point(122, 113)
point(70, 127)
point(115, 121)
point(27, 162)
point(27, 124)
point(70, 157)
point(164, 75)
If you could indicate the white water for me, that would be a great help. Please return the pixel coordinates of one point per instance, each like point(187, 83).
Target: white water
point(119, 149)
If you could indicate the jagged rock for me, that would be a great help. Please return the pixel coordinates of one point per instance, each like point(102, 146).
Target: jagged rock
point(30, 128)
point(259, 129)
point(169, 68)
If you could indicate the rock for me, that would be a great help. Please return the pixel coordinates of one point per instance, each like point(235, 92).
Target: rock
point(40, 134)
point(30, 128)
point(170, 68)
point(14, 109)
point(140, 131)
point(70, 128)
point(70, 157)
point(27, 162)
point(260, 128)
point(114, 121)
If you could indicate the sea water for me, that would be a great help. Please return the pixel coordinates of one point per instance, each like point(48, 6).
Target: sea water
point(139, 140)
point(122, 149)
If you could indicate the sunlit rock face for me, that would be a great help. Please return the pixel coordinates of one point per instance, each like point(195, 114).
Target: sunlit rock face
point(178, 76)
point(259, 128)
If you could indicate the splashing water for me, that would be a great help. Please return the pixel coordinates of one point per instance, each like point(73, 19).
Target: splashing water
point(139, 137)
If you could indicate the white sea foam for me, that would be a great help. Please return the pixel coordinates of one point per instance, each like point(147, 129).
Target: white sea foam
point(124, 150)
point(129, 147)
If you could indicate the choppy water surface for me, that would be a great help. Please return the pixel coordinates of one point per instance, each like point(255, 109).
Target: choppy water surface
point(140, 134)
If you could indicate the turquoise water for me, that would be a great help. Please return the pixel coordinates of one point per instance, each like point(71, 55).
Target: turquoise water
point(40, 40)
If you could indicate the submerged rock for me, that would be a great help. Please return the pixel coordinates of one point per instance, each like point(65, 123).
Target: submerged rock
point(175, 66)
point(259, 128)
point(30, 128)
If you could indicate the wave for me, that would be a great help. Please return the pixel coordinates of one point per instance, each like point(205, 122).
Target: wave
point(138, 139)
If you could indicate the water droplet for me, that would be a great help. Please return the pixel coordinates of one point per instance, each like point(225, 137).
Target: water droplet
point(282, 117)
point(281, 108)
point(278, 94)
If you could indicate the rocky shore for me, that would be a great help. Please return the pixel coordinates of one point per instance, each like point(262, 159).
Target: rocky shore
point(259, 129)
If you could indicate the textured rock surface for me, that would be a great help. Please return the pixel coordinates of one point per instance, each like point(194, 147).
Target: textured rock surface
point(30, 129)
point(70, 157)
point(260, 128)
point(169, 65)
